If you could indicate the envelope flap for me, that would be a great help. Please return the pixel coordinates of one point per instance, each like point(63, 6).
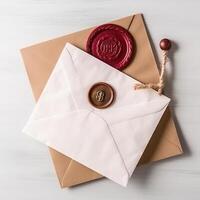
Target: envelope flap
point(77, 173)
point(80, 143)
point(61, 162)
point(70, 172)
point(167, 143)
point(83, 70)
point(141, 130)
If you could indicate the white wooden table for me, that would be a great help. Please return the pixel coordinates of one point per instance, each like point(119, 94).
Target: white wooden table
point(26, 170)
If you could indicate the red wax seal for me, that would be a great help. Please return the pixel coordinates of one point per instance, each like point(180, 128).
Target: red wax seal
point(112, 44)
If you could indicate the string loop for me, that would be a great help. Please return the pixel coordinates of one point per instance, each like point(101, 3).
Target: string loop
point(161, 83)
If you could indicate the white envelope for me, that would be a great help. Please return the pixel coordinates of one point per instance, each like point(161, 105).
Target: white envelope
point(109, 141)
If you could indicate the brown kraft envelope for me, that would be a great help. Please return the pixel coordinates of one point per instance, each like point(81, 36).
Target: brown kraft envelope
point(39, 61)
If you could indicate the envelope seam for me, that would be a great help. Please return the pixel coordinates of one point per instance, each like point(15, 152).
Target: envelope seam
point(113, 141)
point(66, 79)
point(131, 22)
point(177, 146)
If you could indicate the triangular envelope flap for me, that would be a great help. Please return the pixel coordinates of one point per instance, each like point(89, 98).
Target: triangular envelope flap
point(73, 134)
point(62, 162)
point(84, 70)
point(56, 98)
point(77, 173)
point(133, 143)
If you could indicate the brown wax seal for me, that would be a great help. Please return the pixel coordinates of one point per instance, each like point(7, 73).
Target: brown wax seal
point(101, 95)
point(112, 44)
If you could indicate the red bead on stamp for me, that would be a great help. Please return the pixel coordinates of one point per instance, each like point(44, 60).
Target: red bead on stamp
point(112, 44)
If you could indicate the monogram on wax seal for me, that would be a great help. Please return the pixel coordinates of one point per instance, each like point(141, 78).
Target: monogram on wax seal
point(112, 44)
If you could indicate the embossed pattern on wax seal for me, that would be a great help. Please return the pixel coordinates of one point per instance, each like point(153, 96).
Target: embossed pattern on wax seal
point(101, 95)
point(112, 44)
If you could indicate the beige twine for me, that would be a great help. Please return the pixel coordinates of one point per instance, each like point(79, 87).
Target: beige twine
point(160, 85)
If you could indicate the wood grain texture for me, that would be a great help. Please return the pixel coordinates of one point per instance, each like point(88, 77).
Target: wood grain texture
point(26, 171)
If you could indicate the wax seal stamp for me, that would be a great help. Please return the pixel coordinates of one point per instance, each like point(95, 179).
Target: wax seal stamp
point(101, 95)
point(112, 44)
